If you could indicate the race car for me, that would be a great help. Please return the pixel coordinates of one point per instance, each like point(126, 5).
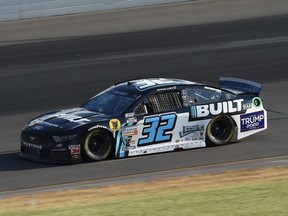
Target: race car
point(146, 116)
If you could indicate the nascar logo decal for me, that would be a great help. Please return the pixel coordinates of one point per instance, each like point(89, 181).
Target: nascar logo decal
point(252, 121)
point(216, 108)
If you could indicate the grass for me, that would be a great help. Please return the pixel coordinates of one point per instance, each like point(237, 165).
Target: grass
point(250, 192)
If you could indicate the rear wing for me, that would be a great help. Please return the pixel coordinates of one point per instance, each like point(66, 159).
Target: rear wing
point(239, 86)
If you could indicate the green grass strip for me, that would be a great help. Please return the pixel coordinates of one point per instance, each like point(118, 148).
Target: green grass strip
point(254, 199)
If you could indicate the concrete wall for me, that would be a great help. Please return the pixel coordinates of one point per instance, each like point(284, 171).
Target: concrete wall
point(26, 9)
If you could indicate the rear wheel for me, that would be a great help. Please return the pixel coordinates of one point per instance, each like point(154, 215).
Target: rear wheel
point(98, 145)
point(220, 130)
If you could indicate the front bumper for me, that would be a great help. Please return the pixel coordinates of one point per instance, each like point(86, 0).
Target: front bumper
point(49, 156)
point(42, 149)
point(48, 161)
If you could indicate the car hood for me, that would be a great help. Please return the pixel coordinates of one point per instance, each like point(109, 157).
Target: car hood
point(65, 120)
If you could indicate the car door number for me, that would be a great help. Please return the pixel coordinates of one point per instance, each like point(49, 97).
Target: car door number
point(156, 129)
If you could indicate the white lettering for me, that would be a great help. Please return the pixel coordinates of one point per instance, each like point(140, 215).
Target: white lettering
point(222, 107)
point(217, 111)
point(202, 111)
point(252, 119)
point(30, 145)
point(230, 107)
point(145, 83)
point(72, 118)
point(239, 104)
point(225, 107)
point(252, 125)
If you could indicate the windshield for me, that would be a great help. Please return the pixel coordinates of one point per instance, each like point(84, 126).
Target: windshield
point(110, 103)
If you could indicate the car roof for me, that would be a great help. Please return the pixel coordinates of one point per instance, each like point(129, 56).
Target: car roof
point(141, 86)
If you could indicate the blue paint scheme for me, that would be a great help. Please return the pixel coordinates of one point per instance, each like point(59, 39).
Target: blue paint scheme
point(170, 119)
point(150, 131)
point(155, 129)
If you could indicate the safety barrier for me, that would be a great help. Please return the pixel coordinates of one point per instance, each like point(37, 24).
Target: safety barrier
point(26, 9)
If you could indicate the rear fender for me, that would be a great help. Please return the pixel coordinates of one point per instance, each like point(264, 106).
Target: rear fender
point(250, 122)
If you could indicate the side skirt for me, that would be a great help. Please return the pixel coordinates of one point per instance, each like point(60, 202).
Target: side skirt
point(158, 148)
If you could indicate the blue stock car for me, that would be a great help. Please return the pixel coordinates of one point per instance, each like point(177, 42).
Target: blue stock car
point(146, 116)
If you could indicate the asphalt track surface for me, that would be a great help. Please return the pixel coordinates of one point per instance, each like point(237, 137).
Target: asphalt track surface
point(45, 76)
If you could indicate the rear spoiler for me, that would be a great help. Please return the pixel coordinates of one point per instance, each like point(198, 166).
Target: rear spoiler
point(239, 86)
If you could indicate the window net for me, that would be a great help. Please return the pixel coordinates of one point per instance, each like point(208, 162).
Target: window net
point(165, 101)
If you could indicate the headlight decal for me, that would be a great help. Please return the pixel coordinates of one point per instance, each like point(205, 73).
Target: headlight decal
point(65, 138)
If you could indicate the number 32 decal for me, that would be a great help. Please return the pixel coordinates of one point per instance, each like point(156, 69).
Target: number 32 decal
point(157, 128)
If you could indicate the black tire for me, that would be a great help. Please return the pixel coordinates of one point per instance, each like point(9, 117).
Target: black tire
point(98, 145)
point(220, 130)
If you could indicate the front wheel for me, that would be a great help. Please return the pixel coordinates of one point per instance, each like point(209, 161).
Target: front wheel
point(220, 130)
point(97, 146)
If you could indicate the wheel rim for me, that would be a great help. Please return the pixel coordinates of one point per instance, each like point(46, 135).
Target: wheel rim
point(220, 129)
point(97, 145)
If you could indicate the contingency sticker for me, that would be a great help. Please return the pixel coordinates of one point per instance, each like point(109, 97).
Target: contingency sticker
point(75, 149)
point(130, 131)
point(114, 124)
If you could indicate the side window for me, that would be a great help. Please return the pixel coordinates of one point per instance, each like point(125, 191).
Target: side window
point(161, 102)
point(200, 95)
point(228, 96)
